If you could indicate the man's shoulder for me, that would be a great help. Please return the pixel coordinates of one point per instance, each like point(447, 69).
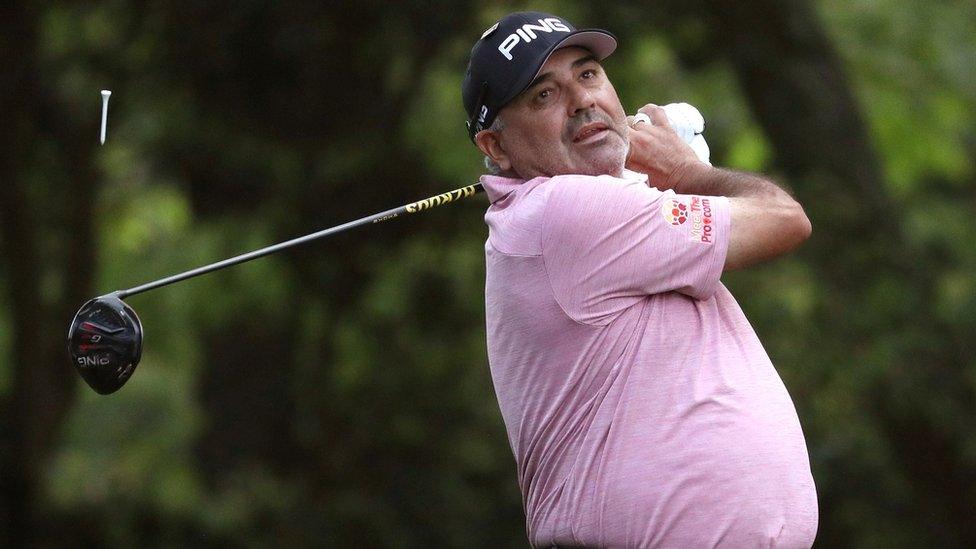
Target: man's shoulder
point(568, 196)
point(586, 186)
point(501, 187)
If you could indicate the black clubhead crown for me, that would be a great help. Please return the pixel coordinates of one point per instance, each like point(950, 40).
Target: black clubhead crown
point(105, 343)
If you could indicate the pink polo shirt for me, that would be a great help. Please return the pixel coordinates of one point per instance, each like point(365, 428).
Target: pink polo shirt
point(640, 405)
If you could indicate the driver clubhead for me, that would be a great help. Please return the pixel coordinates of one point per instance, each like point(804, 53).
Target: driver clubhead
point(105, 343)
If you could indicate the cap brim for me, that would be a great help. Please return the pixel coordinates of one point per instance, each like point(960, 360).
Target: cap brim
point(600, 42)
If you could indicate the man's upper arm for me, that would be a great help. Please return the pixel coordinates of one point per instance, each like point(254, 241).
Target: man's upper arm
point(607, 243)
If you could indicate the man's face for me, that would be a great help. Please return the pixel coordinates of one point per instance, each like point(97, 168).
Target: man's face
point(568, 121)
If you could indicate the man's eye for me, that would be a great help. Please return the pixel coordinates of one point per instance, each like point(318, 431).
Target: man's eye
point(589, 73)
point(545, 93)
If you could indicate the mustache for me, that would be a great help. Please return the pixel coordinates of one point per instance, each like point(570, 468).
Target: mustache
point(586, 117)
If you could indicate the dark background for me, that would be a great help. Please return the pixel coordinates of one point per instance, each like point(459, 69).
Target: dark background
point(339, 395)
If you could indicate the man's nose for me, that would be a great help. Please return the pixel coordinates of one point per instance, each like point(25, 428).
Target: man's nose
point(581, 99)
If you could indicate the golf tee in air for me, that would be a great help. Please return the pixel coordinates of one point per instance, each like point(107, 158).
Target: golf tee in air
point(105, 96)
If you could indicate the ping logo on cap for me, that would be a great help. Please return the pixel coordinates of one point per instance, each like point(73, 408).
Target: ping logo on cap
point(526, 33)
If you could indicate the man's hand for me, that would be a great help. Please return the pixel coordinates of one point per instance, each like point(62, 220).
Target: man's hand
point(656, 150)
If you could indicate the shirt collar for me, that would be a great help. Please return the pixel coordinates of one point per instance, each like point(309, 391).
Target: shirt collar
point(498, 186)
point(635, 176)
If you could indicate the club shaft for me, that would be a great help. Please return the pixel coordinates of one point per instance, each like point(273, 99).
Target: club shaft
point(413, 207)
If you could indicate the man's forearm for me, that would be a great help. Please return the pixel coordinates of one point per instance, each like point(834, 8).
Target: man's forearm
point(765, 220)
point(702, 179)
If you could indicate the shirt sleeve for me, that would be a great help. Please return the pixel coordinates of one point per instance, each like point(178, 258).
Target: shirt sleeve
point(609, 242)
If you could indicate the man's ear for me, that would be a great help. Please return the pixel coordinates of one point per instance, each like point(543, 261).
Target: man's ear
point(490, 144)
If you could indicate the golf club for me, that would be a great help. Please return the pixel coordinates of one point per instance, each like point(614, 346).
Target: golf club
point(105, 336)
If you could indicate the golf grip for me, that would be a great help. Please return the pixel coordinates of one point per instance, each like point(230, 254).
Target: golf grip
point(413, 207)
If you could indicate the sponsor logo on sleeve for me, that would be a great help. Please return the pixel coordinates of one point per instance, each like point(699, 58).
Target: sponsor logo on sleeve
point(702, 228)
point(674, 211)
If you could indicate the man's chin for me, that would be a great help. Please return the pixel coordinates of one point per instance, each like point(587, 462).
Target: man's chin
point(607, 160)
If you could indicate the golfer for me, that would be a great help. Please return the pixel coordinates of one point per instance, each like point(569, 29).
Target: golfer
point(640, 406)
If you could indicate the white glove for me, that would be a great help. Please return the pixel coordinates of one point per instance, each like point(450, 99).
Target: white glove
point(689, 124)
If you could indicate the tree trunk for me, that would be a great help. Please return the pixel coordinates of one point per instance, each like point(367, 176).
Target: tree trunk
point(42, 381)
point(797, 88)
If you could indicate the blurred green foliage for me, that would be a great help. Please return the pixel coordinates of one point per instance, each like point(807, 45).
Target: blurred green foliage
point(339, 395)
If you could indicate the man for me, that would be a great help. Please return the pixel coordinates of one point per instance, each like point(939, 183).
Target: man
point(640, 405)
